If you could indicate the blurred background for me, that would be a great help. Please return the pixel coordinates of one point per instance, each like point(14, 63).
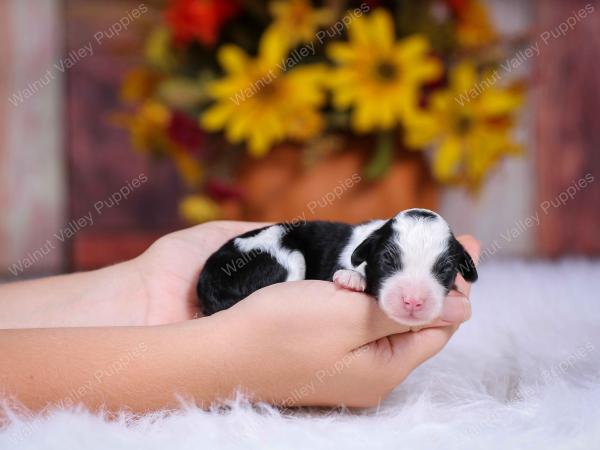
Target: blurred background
point(123, 120)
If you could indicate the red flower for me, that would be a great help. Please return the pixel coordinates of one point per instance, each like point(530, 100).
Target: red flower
point(200, 20)
point(457, 6)
point(184, 131)
point(219, 191)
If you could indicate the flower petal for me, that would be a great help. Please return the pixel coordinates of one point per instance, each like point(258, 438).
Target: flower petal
point(232, 58)
point(381, 28)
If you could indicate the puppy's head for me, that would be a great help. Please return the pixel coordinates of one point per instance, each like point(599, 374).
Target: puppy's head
point(411, 264)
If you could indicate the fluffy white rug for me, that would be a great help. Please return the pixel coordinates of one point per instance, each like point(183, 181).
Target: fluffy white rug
point(524, 373)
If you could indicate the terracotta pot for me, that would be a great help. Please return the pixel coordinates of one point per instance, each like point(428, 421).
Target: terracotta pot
point(281, 187)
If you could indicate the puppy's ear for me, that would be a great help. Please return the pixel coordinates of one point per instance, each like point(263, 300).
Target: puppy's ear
point(366, 247)
point(466, 266)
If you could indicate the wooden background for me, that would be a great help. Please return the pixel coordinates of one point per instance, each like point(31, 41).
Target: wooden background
point(60, 153)
point(101, 160)
point(568, 130)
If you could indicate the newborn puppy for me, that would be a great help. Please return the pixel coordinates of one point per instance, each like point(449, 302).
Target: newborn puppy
point(408, 263)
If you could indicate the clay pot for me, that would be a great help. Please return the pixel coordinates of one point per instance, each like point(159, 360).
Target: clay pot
point(281, 187)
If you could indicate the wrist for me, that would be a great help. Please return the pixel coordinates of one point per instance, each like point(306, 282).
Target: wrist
point(115, 295)
point(210, 363)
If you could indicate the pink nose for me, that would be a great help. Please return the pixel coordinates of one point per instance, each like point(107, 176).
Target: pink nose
point(412, 304)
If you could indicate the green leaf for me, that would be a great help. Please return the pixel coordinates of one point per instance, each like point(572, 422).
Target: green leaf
point(382, 157)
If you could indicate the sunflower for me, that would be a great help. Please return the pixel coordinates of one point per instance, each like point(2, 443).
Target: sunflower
point(260, 102)
point(377, 76)
point(470, 127)
point(297, 21)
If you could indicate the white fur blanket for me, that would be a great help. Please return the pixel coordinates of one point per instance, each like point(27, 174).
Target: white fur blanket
point(524, 373)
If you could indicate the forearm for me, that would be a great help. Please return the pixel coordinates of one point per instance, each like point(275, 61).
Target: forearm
point(109, 296)
point(134, 368)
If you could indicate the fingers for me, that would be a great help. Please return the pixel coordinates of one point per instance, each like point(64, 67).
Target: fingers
point(368, 318)
point(457, 309)
point(210, 236)
point(413, 349)
point(233, 228)
point(371, 321)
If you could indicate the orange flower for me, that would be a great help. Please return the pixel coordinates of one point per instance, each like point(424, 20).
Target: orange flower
point(138, 85)
point(200, 20)
point(474, 28)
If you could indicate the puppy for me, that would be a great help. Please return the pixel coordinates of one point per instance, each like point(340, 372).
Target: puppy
point(408, 263)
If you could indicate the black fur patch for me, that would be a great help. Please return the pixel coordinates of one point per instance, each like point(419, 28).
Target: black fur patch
point(320, 243)
point(454, 260)
point(382, 255)
point(230, 275)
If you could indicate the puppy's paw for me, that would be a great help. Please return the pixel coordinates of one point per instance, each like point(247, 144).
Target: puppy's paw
point(350, 279)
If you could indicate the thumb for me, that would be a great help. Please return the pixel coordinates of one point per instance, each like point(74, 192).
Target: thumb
point(413, 349)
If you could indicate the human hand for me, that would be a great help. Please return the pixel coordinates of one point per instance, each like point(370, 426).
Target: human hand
point(301, 343)
point(169, 269)
point(157, 287)
point(311, 343)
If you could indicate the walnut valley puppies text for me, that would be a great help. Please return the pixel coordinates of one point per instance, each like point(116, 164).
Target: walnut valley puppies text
point(74, 226)
point(297, 55)
point(74, 56)
point(536, 218)
point(544, 39)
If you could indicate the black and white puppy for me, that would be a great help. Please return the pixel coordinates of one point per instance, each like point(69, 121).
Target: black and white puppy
point(408, 263)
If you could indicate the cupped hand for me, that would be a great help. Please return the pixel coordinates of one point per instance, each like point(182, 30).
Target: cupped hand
point(168, 272)
point(311, 343)
point(170, 268)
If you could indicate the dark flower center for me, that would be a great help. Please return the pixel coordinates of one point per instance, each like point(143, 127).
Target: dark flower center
point(464, 124)
point(386, 71)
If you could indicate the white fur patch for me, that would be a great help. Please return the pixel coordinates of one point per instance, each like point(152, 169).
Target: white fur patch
point(350, 279)
point(269, 241)
point(422, 240)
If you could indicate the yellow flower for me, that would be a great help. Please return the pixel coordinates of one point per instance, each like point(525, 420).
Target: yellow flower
point(198, 209)
point(147, 127)
point(158, 50)
point(261, 103)
point(148, 133)
point(297, 21)
point(377, 76)
point(138, 85)
point(189, 168)
point(469, 124)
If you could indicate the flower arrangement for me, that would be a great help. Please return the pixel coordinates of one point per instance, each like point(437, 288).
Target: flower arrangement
point(224, 78)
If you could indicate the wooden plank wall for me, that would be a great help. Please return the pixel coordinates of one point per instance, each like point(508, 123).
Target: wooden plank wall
point(567, 127)
point(100, 156)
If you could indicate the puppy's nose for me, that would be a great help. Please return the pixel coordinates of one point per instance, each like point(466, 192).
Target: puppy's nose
point(412, 303)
